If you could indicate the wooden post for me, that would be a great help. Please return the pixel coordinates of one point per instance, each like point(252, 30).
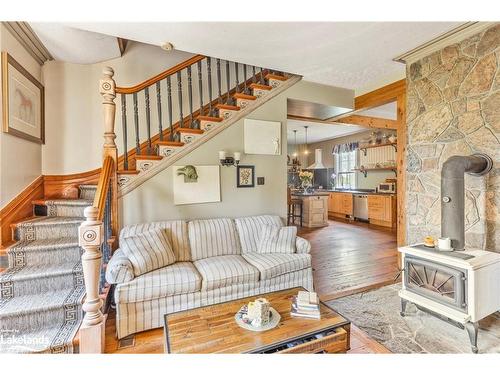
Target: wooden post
point(90, 238)
point(107, 88)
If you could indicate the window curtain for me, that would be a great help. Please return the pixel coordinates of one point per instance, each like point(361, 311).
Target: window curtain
point(345, 147)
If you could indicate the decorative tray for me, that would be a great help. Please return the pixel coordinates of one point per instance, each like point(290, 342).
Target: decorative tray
point(274, 319)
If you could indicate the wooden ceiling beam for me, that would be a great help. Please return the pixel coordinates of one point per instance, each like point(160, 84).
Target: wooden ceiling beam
point(369, 122)
point(387, 94)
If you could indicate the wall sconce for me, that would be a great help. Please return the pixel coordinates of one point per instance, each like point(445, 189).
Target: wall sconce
point(227, 161)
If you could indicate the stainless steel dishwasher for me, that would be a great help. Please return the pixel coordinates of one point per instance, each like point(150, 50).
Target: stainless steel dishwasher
point(360, 206)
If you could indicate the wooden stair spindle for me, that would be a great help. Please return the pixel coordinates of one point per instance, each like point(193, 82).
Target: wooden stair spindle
point(209, 78)
point(148, 119)
point(169, 108)
point(190, 97)
point(262, 82)
point(136, 125)
point(219, 83)
point(158, 104)
point(179, 92)
point(200, 87)
point(124, 131)
point(245, 90)
point(254, 75)
point(236, 81)
point(228, 83)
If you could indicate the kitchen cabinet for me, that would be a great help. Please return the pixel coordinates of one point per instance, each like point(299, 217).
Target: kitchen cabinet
point(340, 204)
point(314, 209)
point(382, 210)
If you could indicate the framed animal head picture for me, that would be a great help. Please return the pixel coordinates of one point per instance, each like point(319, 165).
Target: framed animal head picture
point(23, 102)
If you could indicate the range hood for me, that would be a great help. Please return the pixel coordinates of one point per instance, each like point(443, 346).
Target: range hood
point(318, 163)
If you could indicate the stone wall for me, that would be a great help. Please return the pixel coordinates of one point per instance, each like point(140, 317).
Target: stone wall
point(454, 109)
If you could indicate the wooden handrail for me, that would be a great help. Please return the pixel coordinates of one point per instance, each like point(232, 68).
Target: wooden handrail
point(159, 77)
point(103, 186)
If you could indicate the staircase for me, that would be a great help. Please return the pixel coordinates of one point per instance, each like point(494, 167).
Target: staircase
point(42, 290)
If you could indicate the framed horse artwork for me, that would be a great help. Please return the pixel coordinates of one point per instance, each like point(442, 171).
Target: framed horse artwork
point(23, 102)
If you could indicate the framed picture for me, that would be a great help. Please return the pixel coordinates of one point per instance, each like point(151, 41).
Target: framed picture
point(245, 176)
point(262, 137)
point(23, 102)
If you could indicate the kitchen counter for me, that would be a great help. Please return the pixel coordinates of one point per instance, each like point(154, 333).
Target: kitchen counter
point(356, 192)
point(315, 194)
point(314, 208)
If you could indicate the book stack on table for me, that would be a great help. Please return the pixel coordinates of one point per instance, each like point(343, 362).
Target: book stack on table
point(306, 305)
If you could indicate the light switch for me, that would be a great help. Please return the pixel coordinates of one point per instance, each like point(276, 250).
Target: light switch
point(260, 180)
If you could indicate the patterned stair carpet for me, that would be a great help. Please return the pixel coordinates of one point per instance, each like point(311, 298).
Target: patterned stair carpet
point(377, 313)
point(42, 290)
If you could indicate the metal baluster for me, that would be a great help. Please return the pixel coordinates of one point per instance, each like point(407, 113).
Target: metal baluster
point(228, 83)
point(158, 104)
point(148, 120)
point(136, 124)
point(179, 90)
point(190, 96)
point(219, 81)
point(237, 78)
point(245, 79)
point(169, 107)
point(200, 87)
point(262, 77)
point(209, 72)
point(254, 76)
point(124, 129)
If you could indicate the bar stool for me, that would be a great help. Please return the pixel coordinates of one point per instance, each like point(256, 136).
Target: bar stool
point(292, 204)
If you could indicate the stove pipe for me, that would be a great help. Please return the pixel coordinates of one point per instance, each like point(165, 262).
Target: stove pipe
point(453, 194)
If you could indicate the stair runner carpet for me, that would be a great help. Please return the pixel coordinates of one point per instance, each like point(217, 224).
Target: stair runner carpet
point(42, 290)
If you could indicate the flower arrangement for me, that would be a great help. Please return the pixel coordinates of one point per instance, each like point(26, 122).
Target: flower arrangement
point(306, 178)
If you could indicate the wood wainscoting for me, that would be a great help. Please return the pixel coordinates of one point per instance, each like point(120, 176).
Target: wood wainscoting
point(44, 187)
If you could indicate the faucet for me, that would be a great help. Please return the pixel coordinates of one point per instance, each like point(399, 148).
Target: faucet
point(453, 194)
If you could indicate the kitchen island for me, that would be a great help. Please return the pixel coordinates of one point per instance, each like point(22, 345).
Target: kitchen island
point(314, 208)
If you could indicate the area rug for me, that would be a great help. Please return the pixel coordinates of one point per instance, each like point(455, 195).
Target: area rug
point(377, 313)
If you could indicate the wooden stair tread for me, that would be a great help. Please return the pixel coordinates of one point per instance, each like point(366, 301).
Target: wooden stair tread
point(128, 171)
point(190, 131)
point(210, 118)
point(229, 107)
point(148, 157)
point(260, 87)
point(170, 143)
point(240, 95)
point(276, 77)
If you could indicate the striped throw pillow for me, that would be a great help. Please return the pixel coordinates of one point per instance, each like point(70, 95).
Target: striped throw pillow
point(148, 251)
point(274, 239)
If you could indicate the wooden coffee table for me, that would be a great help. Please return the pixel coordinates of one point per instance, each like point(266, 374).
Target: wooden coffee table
point(212, 329)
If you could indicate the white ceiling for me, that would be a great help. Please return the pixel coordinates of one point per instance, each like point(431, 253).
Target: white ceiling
point(353, 55)
point(317, 132)
point(387, 111)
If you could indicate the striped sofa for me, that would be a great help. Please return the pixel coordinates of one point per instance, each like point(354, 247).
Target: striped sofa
point(216, 261)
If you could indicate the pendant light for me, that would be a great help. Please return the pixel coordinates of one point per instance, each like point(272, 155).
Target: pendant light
point(295, 144)
point(306, 152)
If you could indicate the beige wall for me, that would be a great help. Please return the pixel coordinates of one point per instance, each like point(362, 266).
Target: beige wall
point(73, 105)
point(153, 200)
point(20, 160)
point(454, 109)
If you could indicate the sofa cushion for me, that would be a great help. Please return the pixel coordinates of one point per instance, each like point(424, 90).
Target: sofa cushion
point(274, 239)
point(176, 231)
point(250, 228)
point(119, 269)
point(274, 265)
point(213, 237)
point(178, 278)
point(148, 251)
point(221, 271)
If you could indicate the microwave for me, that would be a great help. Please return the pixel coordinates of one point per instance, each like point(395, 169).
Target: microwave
point(387, 187)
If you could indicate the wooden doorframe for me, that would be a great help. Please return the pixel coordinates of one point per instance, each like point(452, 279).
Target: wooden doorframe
point(393, 92)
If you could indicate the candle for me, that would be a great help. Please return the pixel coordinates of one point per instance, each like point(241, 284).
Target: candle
point(222, 155)
point(237, 156)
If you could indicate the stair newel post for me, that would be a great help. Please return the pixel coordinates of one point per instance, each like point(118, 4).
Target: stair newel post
point(107, 89)
point(90, 238)
point(190, 96)
point(219, 83)
point(209, 73)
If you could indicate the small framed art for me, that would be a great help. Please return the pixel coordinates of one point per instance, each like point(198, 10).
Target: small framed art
point(245, 176)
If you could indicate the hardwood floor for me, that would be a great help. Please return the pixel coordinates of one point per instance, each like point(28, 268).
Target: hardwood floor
point(347, 258)
point(351, 257)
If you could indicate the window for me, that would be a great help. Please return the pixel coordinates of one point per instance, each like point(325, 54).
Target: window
point(345, 163)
